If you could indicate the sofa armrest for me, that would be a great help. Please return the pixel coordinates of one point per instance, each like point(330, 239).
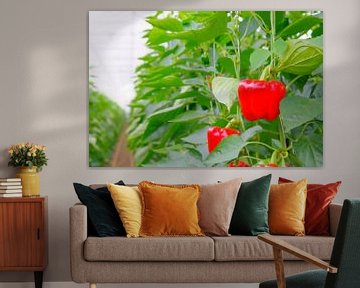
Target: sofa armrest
point(78, 235)
point(334, 217)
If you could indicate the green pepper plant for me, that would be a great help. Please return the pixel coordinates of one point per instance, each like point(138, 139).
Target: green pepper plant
point(106, 121)
point(229, 89)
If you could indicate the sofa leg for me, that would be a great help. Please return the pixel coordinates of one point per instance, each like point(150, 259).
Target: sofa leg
point(92, 285)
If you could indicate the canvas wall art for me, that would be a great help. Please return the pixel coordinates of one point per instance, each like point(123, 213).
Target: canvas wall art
point(205, 89)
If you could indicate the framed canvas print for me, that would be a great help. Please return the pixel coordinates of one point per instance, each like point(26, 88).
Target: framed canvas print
point(205, 89)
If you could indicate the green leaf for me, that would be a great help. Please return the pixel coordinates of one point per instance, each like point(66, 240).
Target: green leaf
point(265, 19)
point(309, 149)
point(157, 36)
point(317, 41)
point(228, 149)
point(226, 65)
point(167, 81)
point(301, 58)
point(258, 58)
point(213, 26)
point(168, 23)
point(225, 90)
point(248, 25)
point(187, 94)
point(159, 71)
point(296, 111)
point(251, 132)
point(190, 116)
point(300, 26)
point(197, 81)
point(199, 137)
point(245, 62)
point(280, 47)
point(295, 15)
point(178, 159)
point(318, 31)
point(161, 117)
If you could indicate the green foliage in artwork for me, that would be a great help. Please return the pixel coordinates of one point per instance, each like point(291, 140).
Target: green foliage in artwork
point(106, 120)
point(189, 80)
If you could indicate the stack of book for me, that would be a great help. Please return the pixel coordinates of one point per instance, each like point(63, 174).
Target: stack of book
point(10, 187)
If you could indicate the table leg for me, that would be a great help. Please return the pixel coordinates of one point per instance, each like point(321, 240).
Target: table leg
point(38, 279)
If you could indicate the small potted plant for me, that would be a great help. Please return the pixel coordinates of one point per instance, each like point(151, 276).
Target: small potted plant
point(30, 158)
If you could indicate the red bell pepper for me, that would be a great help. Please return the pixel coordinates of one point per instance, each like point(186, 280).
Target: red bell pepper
point(270, 165)
point(238, 164)
point(216, 134)
point(260, 99)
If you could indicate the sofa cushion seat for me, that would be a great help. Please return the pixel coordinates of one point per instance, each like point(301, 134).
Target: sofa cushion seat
point(149, 249)
point(249, 248)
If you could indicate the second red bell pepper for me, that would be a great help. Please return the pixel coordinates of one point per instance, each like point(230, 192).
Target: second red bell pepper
point(236, 163)
point(216, 134)
point(260, 99)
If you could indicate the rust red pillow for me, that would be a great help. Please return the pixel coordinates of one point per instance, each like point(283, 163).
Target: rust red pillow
point(319, 197)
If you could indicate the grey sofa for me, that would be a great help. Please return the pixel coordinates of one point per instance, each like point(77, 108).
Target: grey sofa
point(234, 259)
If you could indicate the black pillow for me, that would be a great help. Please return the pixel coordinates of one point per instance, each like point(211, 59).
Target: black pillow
point(250, 216)
point(103, 217)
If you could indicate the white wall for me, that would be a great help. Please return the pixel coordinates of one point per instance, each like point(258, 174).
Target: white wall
point(43, 82)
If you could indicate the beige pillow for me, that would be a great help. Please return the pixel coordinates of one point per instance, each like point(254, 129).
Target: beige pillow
point(216, 206)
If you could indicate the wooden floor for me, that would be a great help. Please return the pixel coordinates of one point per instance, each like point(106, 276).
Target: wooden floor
point(74, 285)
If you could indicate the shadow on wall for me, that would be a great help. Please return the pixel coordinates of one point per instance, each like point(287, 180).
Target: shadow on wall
point(4, 158)
point(46, 84)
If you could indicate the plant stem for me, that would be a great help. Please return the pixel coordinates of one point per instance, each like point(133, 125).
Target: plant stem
point(272, 40)
point(235, 39)
point(251, 157)
point(261, 143)
point(213, 57)
point(242, 125)
point(282, 133)
point(293, 81)
point(272, 63)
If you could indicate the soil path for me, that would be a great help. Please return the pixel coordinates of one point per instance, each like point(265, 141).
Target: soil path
point(122, 157)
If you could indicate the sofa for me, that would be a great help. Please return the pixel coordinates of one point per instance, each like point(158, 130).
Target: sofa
point(233, 259)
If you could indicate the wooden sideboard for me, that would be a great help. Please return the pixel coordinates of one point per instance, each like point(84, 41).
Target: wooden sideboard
point(23, 235)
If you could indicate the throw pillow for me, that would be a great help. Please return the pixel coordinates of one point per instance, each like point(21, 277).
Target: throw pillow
point(102, 215)
point(319, 197)
point(250, 215)
point(169, 210)
point(216, 206)
point(127, 201)
point(287, 204)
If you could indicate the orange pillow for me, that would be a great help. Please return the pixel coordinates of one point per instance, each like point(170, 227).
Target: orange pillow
point(287, 204)
point(318, 200)
point(169, 210)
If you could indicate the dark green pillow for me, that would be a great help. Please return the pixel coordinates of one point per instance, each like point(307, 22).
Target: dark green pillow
point(103, 218)
point(250, 216)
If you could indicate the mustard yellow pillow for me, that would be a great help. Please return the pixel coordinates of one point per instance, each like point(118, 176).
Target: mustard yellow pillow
point(169, 210)
point(127, 201)
point(287, 204)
